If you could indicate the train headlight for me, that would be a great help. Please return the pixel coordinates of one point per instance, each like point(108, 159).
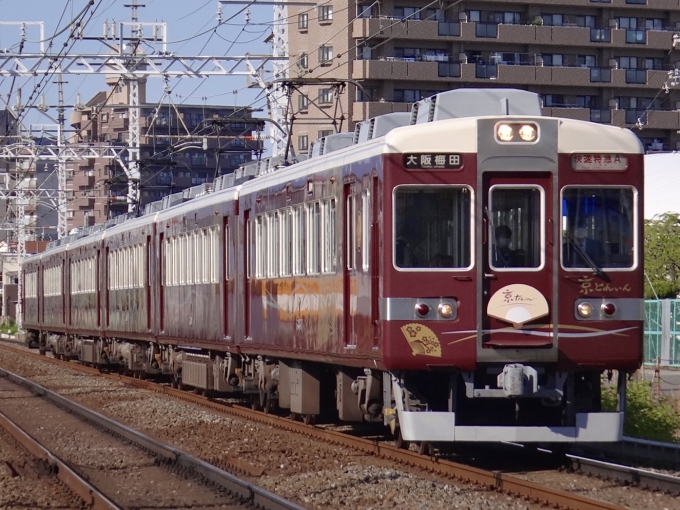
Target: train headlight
point(505, 132)
point(446, 310)
point(423, 309)
point(527, 133)
point(585, 309)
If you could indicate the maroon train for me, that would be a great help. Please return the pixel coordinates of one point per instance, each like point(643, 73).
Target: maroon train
point(466, 272)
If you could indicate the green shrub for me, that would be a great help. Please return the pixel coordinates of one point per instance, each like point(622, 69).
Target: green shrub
point(647, 417)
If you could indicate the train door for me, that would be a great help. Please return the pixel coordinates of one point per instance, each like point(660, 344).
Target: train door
point(518, 262)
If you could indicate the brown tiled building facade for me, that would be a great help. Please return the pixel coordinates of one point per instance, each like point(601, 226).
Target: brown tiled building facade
point(224, 138)
point(601, 60)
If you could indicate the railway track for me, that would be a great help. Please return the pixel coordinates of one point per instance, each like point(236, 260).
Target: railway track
point(485, 478)
point(161, 471)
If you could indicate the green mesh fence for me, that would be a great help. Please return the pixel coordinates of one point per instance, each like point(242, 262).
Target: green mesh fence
point(652, 342)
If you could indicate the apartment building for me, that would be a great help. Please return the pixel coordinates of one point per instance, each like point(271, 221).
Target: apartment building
point(605, 61)
point(179, 148)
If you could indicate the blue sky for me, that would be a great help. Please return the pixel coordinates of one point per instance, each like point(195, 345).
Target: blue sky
point(185, 20)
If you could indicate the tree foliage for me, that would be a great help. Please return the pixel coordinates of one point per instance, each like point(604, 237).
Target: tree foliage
point(662, 256)
point(647, 417)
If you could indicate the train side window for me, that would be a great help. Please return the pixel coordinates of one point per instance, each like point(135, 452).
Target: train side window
point(516, 227)
point(328, 237)
point(598, 227)
point(190, 257)
point(313, 237)
point(273, 245)
point(260, 246)
point(285, 244)
point(183, 259)
point(215, 255)
point(142, 264)
point(299, 241)
point(226, 252)
point(432, 227)
point(365, 229)
point(350, 240)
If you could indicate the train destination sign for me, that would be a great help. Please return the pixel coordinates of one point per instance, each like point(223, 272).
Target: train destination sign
point(599, 162)
point(429, 161)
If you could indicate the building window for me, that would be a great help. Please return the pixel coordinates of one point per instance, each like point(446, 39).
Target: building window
point(325, 54)
point(366, 94)
point(326, 13)
point(105, 117)
point(303, 143)
point(325, 96)
point(654, 24)
point(486, 71)
point(407, 12)
point(325, 132)
point(553, 60)
point(636, 76)
point(363, 51)
point(637, 2)
point(407, 95)
point(367, 11)
point(600, 75)
point(602, 35)
point(303, 102)
point(636, 37)
point(303, 61)
point(303, 21)
point(587, 61)
point(448, 70)
point(486, 30)
point(446, 28)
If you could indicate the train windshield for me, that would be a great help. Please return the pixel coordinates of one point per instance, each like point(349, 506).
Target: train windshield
point(598, 229)
point(432, 227)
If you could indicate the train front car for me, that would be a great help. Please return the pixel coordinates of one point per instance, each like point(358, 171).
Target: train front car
point(514, 279)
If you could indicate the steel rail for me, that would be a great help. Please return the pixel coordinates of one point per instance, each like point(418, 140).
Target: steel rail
point(246, 491)
point(91, 496)
point(489, 479)
point(629, 474)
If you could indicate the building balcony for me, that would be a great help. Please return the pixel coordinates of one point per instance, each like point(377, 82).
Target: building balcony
point(382, 28)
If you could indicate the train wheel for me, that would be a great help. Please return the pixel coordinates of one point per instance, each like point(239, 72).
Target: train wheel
point(308, 419)
point(399, 440)
point(424, 448)
point(271, 405)
point(255, 403)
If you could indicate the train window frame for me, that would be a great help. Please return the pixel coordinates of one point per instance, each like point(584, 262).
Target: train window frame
point(634, 228)
point(542, 226)
point(472, 238)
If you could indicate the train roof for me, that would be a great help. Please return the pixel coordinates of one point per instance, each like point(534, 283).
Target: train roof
point(455, 112)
